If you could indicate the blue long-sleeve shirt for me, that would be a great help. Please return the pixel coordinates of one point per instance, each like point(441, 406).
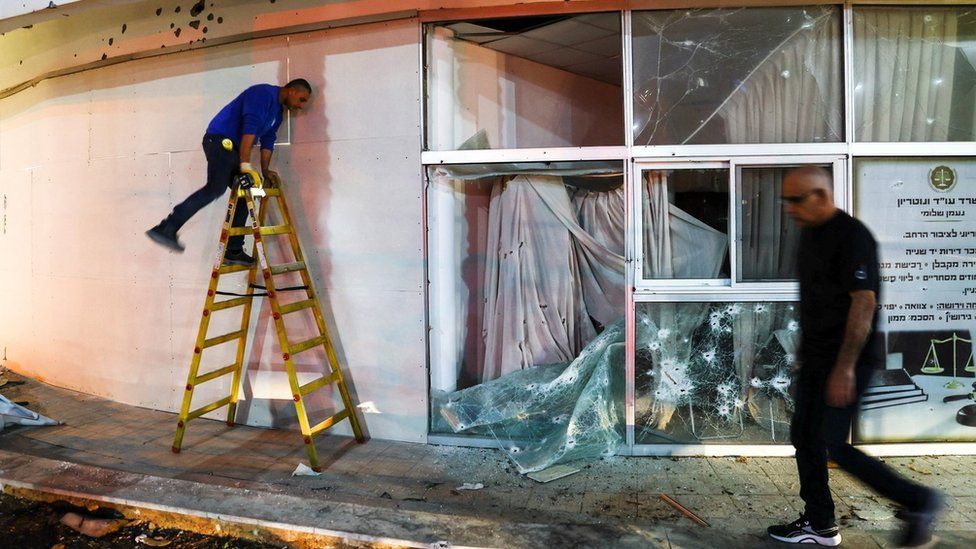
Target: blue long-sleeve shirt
point(256, 111)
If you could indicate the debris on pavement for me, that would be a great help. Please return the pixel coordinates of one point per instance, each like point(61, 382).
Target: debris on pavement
point(304, 471)
point(470, 486)
point(918, 470)
point(552, 473)
point(684, 510)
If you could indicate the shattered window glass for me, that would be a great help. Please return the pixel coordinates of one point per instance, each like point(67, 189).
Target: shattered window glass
point(746, 75)
point(768, 237)
point(527, 297)
point(714, 373)
point(685, 217)
point(517, 82)
point(914, 75)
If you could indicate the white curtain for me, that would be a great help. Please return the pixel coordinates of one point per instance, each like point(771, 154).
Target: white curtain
point(905, 65)
point(539, 261)
point(769, 238)
point(794, 95)
point(602, 216)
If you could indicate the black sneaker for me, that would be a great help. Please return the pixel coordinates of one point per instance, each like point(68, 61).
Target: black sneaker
point(238, 258)
point(800, 531)
point(919, 523)
point(163, 234)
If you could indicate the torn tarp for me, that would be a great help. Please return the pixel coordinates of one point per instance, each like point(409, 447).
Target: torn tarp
point(15, 414)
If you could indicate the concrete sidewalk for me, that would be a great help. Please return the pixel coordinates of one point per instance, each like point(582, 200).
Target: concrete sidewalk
point(400, 494)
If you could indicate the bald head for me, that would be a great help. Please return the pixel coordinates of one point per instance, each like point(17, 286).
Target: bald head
point(808, 195)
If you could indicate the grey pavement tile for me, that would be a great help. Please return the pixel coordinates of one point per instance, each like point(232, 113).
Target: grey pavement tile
point(655, 483)
point(788, 484)
point(652, 509)
point(762, 505)
point(744, 485)
point(962, 508)
point(695, 484)
point(622, 506)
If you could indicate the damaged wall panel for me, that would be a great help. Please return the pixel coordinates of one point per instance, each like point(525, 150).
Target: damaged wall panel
point(99, 308)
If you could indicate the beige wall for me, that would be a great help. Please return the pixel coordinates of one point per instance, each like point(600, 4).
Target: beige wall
point(88, 162)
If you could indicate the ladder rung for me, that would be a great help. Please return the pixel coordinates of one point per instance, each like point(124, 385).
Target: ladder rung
point(236, 302)
point(329, 422)
point(306, 345)
point(215, 374)
point(276, 229)
point(318, 383)
point(269, 230)
point(296, 306)
point(272, 192)
point(209, 408)
point(224, 338)
point(288, 267)
point(224, 269)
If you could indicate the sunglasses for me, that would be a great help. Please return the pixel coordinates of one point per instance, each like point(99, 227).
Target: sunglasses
point(798, 198)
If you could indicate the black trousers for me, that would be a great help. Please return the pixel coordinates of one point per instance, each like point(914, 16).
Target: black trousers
point(222, 167)
point(819, 431)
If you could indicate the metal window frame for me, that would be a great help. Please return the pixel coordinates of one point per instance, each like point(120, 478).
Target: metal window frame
point(736, 155)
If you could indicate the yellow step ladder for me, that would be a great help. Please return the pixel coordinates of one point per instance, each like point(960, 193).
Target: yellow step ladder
point(278, 311)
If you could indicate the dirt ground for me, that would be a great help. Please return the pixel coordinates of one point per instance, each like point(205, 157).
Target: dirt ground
point(26, 524)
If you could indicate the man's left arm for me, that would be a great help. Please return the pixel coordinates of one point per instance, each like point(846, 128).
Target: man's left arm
point(842, 384)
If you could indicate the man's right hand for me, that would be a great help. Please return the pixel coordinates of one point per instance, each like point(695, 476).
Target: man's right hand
point(246, 168)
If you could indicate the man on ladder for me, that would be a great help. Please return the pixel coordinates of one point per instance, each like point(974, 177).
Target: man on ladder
point(255, 114)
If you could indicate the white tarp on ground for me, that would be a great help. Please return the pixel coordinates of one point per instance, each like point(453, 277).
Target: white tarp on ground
point(14, 414)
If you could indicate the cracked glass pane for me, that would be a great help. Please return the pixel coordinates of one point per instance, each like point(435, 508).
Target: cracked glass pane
point(714, 373)
point(527, 297)
point(685, 217)
point(747, 75)
point(768, 237)
point(914, 76)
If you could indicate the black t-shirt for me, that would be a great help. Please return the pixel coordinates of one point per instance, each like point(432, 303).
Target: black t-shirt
point(835, 259)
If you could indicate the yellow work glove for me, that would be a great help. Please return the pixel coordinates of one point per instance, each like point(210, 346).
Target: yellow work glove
point(247, 169)
point(256, 183)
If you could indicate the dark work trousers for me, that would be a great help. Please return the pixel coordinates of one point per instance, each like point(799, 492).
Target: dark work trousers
point(819, 431)
point(222, 167)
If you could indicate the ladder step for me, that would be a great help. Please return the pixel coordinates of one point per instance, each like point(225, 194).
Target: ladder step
point(288, 267)
point(224, 269)
point(224, 338)
point(306, 345)
point(276, 229)
point(296, 306)
point(236, 302)
point(318, 383)
point(270, 229)
point(272, 192)
point(215, 374)
point(329, 422)
point(209, 408)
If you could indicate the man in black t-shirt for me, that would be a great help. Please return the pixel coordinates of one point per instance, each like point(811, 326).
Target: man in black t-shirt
point(839, 347)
